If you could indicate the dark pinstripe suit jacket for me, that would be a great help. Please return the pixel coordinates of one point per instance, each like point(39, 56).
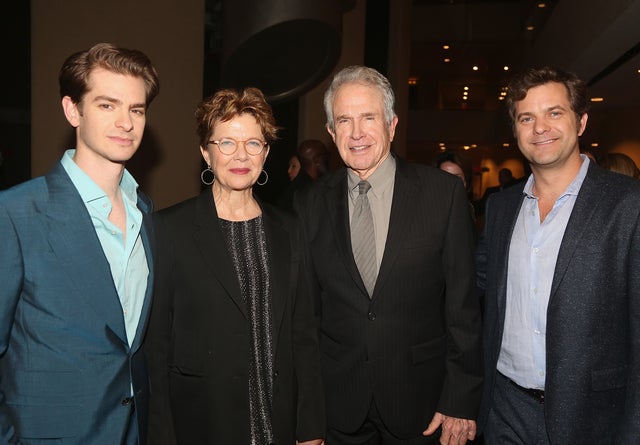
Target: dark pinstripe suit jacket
point(592, 392)
point(415, 345)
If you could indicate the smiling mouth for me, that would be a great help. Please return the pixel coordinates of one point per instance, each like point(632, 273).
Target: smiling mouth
point(545, 142)
point(358, 147)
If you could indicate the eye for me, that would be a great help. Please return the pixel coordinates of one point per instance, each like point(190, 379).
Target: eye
point(342, 121)
point(138, 111)
point(226, 143)
point(525, 119)
point(254, 144)
point(106, 106)
point(555, 114)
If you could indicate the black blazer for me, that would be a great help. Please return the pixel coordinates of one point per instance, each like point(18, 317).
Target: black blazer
point(592, 391)
point(415, 346)
point(198, 339)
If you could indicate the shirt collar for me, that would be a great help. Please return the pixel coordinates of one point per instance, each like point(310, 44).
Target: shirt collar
point(88, 189)
point(572, 189)
point(379, 179)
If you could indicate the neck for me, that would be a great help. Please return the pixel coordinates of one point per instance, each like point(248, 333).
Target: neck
point(235, 205)
point(551, 183)
point(106, 174)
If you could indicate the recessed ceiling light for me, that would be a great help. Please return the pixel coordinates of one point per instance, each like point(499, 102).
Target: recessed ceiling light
point(542, 5)
point(594, 144)
point(466, 88)
point(475, 68)
point(506, 68)
point(447, 60)
point(506, 144)
point(597, 99)
point(445, 46)
point(530, 28)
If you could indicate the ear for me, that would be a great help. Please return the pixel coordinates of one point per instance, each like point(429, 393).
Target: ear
point(583, 124)
point(205, 155)
point(71, 111)
point(332, 133)
point(392, 127)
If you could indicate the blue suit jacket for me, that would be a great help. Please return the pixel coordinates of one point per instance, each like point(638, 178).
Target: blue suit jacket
point(66, 368)
point(592, 390)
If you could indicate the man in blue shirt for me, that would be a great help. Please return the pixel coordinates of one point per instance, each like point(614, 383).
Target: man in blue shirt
point(559, 261)
point(76, 268)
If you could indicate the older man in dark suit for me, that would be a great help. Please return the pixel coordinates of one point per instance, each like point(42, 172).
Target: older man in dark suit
point(560, 261)
point(391, 255)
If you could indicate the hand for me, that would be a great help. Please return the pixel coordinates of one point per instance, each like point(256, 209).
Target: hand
point(312, 442)
point(455, 431)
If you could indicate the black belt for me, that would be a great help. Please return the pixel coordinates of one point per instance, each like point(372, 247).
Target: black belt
point(537, 394)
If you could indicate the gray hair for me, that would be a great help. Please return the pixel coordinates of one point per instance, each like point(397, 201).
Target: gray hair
point(365, 76)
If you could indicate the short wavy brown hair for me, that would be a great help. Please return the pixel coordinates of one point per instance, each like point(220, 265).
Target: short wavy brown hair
point(75, 71)
point(522, 82)
point(226, 104)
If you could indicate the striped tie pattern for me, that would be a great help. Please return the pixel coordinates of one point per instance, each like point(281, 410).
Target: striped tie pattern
point(363, 240)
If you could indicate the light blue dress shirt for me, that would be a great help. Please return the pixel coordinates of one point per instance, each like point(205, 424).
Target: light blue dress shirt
point(532, 260)
point(126, 255)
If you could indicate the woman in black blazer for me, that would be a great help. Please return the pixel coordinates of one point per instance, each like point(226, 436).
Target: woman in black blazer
point(232, 342)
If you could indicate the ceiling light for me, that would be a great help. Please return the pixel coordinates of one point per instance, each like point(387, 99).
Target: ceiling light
point(530, 28)
point(597, 99)
point(506, 68)
point(447, 60)
point(441, 144)
point(594, 144)
point(413, 81)
point(506, 144)
point(445, 46)
point(501, 98)
point(475, 68)
point(466, 147)
point(542, 5)
point(466, 88)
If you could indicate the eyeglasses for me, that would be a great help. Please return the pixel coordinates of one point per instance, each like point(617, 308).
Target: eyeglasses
point(228, 146)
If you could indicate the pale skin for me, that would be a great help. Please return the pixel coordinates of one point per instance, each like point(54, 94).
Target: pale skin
point(547, 131)
point(109, 123)
point(236, 173)
point(363, 135)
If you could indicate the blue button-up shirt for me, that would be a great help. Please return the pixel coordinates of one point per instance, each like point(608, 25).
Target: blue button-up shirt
point(126, 255)
point(532, 260)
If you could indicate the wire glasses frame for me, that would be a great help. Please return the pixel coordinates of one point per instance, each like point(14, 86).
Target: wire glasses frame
point(229, 146)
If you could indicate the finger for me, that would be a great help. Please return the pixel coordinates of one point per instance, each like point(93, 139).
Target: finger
point(433, 426)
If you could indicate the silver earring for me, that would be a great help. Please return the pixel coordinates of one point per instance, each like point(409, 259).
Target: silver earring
point(207, 171)
point(266, 178)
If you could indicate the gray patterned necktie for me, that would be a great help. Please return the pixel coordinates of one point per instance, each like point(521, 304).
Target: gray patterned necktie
point(363, 239)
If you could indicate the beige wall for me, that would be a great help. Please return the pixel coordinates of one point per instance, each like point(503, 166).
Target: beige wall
point(170, 32)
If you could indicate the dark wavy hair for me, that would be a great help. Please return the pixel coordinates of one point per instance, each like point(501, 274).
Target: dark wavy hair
point(75, 71)
point(521, 83)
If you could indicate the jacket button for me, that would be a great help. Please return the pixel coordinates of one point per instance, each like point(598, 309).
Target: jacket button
point(126, 401)
point(371, 316)
point(275, 374)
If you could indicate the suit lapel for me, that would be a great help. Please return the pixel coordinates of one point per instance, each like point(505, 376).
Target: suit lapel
point(280, 273)
point(505, 221)
point(213, 248)
point(148, 239)
point(74, 241)
point(401, 209)
point(337, 210)
point(585, 207)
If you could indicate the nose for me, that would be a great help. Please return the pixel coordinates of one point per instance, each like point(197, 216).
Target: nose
point(540, 126)
point(124, 120)
point(356, 129)
point(241, 151)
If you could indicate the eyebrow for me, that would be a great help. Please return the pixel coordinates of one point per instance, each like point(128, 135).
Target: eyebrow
point(118, 102)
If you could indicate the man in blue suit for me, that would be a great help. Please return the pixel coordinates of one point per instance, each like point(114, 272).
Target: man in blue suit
point(76, 268)
point(560, 262)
